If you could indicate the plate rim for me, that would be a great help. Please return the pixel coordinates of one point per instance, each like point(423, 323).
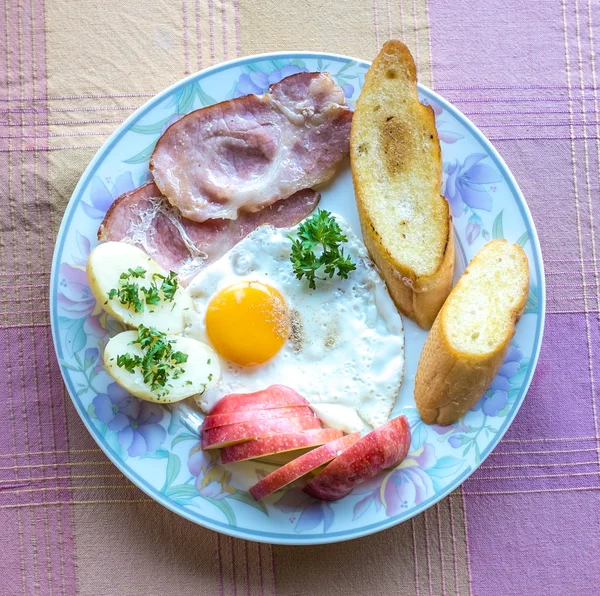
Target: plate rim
point(256, 535)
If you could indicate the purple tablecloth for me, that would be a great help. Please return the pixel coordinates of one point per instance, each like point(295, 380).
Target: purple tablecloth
point(527, 522)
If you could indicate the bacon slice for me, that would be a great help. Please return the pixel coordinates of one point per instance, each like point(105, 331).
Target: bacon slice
point(244, 154)
point(145, 218)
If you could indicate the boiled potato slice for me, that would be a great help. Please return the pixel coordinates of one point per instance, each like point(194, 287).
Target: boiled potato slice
point(201, 371)
point(104, 266)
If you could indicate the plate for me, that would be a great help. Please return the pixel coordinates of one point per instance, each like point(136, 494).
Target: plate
point(154, 447)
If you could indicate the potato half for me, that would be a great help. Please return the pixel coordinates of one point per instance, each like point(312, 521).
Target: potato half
point(202, 369)
point(104, 266)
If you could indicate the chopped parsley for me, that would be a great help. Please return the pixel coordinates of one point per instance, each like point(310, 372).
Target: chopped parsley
point(138, 272)
point(151, 294)
point(169, 284)
point(159, 362)
point(128, 362)
point(128, 291)
point(128, 294)
point(318, 246)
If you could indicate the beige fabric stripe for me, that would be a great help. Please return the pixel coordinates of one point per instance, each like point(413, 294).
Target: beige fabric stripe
point(173, 548)
point(214, 32)
point(379, 564)
point(227, 558)
point(355, 30)
point(452, 530)
point(421, 543)
point(246, 567)
point(437, 548)
point(142, 548)
point(268, 26)
point(85, 59)
point(86, 39)
point(442, 549)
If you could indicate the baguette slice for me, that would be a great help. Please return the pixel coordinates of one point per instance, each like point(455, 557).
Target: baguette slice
point(397, 173)
point(472, 332)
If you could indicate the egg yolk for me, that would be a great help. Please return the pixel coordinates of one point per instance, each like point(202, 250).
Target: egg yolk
point(247, 322)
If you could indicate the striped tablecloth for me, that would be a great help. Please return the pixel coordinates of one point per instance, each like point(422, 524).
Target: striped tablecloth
point(528, 522)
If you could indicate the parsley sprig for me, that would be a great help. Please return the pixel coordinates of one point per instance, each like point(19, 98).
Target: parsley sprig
point(317, 246)
point(169, 284)
point(128, 291)
point(159, 362)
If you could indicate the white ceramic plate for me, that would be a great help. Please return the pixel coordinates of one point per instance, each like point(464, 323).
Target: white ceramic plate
point(154, 447)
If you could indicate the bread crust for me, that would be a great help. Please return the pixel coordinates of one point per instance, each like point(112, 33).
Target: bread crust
point(417, 294)
point(419, 298)
point(449, 382)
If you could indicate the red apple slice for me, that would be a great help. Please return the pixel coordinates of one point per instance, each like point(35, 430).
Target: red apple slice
point(279, 444)
point(214, 420)
point(382, 448)
point(223, 436)
point(275, 396)
point(302, 465)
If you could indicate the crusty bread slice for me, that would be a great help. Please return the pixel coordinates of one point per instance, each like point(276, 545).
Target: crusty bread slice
point(397, 172)
point(472, 332)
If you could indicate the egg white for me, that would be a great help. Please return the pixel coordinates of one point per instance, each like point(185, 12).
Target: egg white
point(346, 352)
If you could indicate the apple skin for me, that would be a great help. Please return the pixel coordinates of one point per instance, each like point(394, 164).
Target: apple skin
point(302, 465)
point(222, 436)
point(227, 418)
point(278, 444)
point(275, 396)
point(382, 448)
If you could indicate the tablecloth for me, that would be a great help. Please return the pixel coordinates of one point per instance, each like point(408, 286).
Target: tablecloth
point(527, 522)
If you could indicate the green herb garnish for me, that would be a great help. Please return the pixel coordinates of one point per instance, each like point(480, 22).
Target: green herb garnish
point(128, 292)
point(169, 284)
point(179, 357)
point(151, 294)
point(138, 272)
point(159, 362)
point(318, 246)
point(128, 362)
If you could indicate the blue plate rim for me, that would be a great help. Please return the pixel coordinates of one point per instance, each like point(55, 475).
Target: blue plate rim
point(256, 535)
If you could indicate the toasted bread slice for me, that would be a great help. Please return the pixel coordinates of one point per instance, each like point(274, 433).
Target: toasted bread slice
point(472, 332)
point(397, 172)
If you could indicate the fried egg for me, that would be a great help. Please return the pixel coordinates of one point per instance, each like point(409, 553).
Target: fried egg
point(341, 345)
